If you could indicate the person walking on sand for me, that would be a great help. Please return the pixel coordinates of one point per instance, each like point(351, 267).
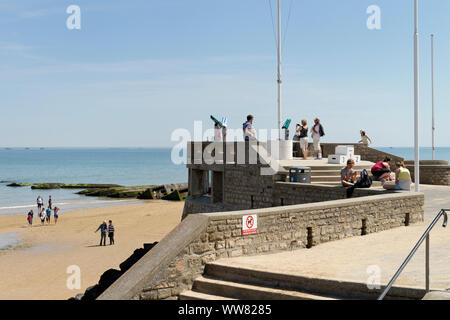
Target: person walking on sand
point(365, 140)
point(103, 229)
point(50, 202)
point(316, 133)
point(55, 214)
point(30, 217)
point(48, 213)
point(42, 216)
point(111, 233)
point(39, 202)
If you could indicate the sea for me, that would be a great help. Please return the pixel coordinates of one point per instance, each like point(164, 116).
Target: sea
point(123, 166)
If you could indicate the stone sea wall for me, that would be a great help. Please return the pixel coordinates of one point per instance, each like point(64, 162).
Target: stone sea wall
point(171, 267)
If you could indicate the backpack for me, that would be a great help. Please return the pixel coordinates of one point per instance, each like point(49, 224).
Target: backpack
point(365, 181)
point(321, 132)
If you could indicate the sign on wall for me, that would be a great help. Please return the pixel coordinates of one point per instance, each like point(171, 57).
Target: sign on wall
point(249, 224)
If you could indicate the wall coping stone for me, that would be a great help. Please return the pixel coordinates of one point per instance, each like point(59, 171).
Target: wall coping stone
point(315, 205)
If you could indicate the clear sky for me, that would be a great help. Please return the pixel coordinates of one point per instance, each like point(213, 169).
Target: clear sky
point(137, 70)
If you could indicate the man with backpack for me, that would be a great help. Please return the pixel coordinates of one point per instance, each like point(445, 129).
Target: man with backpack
point(317, 133)
point(364, 181)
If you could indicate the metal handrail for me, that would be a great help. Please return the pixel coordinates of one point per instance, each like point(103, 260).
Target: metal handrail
point(426, 236)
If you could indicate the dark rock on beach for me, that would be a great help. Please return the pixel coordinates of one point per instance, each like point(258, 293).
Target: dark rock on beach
point(173, 196)
point(47, 186)
point(15, 184)
point(146, 195)
point(111, 275)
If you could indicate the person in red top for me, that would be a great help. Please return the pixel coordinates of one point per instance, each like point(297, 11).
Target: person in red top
point(381, 171)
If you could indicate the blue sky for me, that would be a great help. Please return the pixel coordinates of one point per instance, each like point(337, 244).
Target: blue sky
point(137, 70)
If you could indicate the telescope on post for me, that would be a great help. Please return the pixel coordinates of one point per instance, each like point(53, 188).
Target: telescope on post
point(218, 126)
point(286, 128)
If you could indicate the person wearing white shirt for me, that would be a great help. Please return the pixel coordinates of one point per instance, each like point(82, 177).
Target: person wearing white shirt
point(317, 133)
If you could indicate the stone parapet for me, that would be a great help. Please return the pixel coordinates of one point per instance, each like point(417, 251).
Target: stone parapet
point(171, 267)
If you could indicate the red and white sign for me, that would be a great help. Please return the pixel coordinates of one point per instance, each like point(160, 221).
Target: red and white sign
point(249, 224)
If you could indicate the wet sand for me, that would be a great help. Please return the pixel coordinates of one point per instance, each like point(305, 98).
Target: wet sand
point(35, 264)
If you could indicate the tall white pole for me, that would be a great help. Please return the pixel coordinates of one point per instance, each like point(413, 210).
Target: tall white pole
point(432, 99)
point(416, 97)
point(279, 70)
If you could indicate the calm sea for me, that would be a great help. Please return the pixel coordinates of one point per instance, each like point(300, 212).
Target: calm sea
point(424, 153)
point(122, 166)
point(119, 166)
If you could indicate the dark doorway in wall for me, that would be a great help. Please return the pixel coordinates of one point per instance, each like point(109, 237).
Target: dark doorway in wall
point(407, 217)
point(309, 238)
point(364, 227)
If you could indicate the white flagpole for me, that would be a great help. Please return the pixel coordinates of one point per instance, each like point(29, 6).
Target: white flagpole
point(279, 70)
point(416, 97)
point(432, 99)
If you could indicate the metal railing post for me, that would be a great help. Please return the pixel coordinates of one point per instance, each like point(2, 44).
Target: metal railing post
point(427, 264)
point(425, 236)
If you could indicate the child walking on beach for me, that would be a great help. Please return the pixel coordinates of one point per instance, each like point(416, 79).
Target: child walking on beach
point(48, 214)
point(30, 218)
point(55, 214)
point(111, 233)
point(42, 216)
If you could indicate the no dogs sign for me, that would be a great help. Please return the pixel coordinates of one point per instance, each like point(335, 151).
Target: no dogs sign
point(249, 224)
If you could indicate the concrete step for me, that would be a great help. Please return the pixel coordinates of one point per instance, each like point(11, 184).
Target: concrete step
point(314, 287)
point(243, 291)
point(375, 184)
point(327, 183)
point(325, 173)
point(194, 295)
point(325, 179)
point(332, 168)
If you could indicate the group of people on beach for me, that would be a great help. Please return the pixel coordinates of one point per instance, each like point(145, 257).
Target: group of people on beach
point(381, 171)
point(44, 214)
point(104, 230)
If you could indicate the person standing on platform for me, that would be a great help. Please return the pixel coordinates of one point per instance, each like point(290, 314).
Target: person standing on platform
point(317, 133)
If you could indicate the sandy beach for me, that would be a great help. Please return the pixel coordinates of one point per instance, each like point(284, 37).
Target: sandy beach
point(35, 267)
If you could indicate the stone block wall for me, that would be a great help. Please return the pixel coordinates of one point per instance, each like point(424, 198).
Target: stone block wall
point(246, 188)
point(219, 235)
point(289, 193)
point(432, 172)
